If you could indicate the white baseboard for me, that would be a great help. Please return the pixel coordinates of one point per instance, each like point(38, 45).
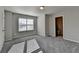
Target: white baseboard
point(71, 40)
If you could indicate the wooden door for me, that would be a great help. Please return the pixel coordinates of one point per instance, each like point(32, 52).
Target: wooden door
point(59, 26)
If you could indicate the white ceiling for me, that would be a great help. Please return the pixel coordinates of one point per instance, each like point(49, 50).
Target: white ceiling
point(47, 10)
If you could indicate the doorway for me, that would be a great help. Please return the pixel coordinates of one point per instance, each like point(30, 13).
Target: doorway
point(59, 26)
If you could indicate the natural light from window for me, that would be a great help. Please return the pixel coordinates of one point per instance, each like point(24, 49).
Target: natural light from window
point(25, 24)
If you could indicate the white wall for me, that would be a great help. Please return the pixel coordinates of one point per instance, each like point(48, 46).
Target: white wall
point(47, 24)
point(8, 25)
point(41, 17)
point(51, 26)
point(41, 21)
point(70, 24)
point(41, 24)
point(1, 27)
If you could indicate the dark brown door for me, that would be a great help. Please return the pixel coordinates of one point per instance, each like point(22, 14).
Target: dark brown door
point(59, 26)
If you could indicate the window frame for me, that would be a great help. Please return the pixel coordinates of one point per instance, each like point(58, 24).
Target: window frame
point(26, 25)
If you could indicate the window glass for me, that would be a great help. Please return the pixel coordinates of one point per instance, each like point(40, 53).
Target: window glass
point(22, 24)
point(26, 24)
point(30, 21)
point(30, 28)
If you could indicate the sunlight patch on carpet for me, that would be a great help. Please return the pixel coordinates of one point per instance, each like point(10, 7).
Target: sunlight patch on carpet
point(32, 45)
point(17, 48)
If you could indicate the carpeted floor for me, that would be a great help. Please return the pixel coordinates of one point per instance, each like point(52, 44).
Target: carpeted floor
point(31, 46)
point(47, 44)
point(17, 48)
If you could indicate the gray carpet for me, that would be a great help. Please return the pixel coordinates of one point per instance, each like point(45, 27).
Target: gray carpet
point(47, 44)
point(58, 45)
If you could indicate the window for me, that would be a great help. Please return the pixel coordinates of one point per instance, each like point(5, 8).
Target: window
point(25, 24)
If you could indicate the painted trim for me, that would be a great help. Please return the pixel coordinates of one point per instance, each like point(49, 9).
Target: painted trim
point(71, 40)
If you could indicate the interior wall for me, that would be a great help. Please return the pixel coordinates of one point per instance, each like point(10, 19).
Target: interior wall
point(70, 24)
point(40, 20)
point(51, 26)
point(47, 25)
point(11, 21)
point(1, 27)
point(16, 33)
point(41, 24)
point(8, 25)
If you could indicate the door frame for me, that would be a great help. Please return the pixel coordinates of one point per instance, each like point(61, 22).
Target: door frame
point(56, 27)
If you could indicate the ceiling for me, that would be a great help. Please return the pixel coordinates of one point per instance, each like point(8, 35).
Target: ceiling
point(47, 10)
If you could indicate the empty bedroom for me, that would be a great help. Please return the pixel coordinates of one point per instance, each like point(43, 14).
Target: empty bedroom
point(39, 29)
